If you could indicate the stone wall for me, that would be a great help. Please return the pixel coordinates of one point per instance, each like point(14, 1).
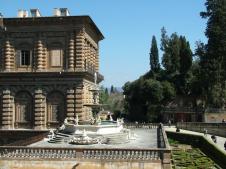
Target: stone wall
point(32, 164)
point(214, 117)
point(218, 129)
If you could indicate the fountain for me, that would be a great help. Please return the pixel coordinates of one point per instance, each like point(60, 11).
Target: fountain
point(97, 131)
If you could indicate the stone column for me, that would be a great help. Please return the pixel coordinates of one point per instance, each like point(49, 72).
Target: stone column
point(79, 50)
point(79, 102)
point(70, 101)
point(38, 55)
point(7, 110)
point(7, 57)
point(39, 111)
point(71, 53)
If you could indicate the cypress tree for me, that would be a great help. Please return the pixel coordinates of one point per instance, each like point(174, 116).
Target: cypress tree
point(154, 56)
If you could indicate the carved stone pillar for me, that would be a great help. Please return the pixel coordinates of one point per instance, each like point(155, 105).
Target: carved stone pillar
point(39, 111)
point(71, 52)
point(79, 48)
point(79, 102)
point(7, 58)
point(38, 54)
point(7, 110)
point(70, 101)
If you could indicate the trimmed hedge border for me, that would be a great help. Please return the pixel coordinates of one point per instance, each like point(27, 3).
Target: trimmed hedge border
point(216, 154)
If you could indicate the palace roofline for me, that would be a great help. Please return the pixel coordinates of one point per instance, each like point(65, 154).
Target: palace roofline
point(50, 19)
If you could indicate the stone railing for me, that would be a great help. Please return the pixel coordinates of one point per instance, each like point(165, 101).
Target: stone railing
point(72, 153)
point(212, 128)
point(141, 125)
point(183, 109)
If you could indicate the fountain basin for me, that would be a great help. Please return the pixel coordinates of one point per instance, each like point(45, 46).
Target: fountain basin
point(105, 127)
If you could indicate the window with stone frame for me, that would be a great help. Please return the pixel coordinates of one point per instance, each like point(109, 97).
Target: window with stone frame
point(25, 57)
point(23, 108)
point(56, 58)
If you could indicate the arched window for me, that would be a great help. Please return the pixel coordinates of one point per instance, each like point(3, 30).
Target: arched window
point(24, 116)
point(55, 109)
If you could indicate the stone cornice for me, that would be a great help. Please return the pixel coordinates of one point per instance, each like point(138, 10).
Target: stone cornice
point(49, 76)
point(48, 21)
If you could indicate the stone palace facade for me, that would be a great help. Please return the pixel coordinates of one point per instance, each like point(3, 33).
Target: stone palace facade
point(47, 69)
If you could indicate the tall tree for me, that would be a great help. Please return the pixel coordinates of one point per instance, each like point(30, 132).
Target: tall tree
point(185, 56)
point(154, 56)
point(214, 60)
point(171, 51)
point(166, 60)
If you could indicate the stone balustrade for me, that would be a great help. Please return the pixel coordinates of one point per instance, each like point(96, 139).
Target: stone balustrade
point(141, 125)
point(72, 153)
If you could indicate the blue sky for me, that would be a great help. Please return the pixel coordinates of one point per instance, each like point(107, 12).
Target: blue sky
point(128, 26)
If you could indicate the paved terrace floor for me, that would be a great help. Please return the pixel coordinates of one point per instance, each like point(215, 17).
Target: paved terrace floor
point(145, 138)
point(220, 140)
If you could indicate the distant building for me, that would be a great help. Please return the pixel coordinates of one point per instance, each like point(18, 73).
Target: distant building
point(183, 109)
point(47, 67)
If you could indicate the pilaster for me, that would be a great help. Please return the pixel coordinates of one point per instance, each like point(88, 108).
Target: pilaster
point(7, 57)
point(44, 55)
point(71, 53)
point(79, 102)
point(92, 58)
point(96, 60)
point(79, 50)
point(70, 101)
point(7, 110)
point(38, 54)
point(39, 110)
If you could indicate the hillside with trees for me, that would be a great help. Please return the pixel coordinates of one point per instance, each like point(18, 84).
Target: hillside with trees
point(199, 75)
